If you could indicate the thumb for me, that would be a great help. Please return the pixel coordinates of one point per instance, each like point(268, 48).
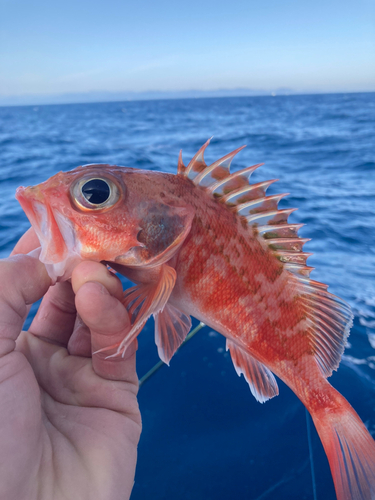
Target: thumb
point(23, 281)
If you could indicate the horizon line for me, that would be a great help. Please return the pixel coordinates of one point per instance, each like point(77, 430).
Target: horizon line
point(159, 95)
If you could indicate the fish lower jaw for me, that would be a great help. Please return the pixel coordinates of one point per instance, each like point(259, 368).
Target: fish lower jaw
point(70, 257)
point(60, 249)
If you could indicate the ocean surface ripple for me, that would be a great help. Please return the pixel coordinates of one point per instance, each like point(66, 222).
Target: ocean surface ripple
point(205, 437)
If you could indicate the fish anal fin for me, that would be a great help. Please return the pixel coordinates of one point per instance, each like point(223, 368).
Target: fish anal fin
point(261, 381)
point(171, 328)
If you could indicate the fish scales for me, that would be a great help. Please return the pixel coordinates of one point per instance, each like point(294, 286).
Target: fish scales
point(216, 268)
point(208, 244)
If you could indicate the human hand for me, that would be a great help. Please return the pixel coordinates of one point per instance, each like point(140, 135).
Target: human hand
point(69, 423)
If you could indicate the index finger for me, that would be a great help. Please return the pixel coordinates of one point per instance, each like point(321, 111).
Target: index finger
point(24, 280)
point(28, 241)
point(109, 322)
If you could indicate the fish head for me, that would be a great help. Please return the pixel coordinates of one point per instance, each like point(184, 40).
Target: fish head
point(104, 213)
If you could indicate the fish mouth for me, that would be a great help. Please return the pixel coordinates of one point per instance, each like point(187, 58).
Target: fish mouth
point(56, 234)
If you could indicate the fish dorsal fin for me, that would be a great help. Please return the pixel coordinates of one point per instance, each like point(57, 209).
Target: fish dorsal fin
point(329, 320)
point(180, 166)
point(329, 317)
point(217, 171)
point(236, 181)
point(197, 163)
point(262, 383)
point(250, 202)
point(245, 193)
point(259, 205)
point(171, 328)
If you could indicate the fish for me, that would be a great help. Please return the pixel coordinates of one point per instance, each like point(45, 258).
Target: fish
point(208, 243)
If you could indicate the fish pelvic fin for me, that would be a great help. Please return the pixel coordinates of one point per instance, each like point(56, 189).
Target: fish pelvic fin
point(171, 328)
point(262, 383)
point(350, 450)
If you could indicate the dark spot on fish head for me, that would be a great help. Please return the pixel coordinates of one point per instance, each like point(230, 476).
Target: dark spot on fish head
point(159, 229)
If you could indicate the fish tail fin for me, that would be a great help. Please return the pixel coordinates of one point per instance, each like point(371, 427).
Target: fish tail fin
point(350, 450)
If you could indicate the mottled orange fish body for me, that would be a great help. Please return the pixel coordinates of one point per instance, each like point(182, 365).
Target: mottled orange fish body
point(208, 244)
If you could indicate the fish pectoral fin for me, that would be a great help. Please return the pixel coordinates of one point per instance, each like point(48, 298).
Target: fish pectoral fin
point(171, 328)
point(149, 298)
point(143, 300)
point(262, 383)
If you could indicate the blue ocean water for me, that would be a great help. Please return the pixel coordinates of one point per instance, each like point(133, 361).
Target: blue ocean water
point(204, 435)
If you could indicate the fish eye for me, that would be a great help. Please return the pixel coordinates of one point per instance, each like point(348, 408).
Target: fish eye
point(94, 193)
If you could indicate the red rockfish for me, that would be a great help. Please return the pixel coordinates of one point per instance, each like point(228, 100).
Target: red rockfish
point(208, 244)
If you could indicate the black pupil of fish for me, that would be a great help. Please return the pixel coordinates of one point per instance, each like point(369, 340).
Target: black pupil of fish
point(96, 191)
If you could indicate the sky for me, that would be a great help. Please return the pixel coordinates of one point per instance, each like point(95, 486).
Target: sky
point(49, 48)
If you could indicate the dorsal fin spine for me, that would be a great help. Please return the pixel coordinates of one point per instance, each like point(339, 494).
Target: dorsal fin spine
point(293, 228)
point(299, 269)
point(284, 211)
point(197, 159)
point(257, 201)
point(247, 189)
point(225, 162)
point(287, 243)
point(293, 257)
point(246, 172)
point(180, 166)
point(293, 254)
